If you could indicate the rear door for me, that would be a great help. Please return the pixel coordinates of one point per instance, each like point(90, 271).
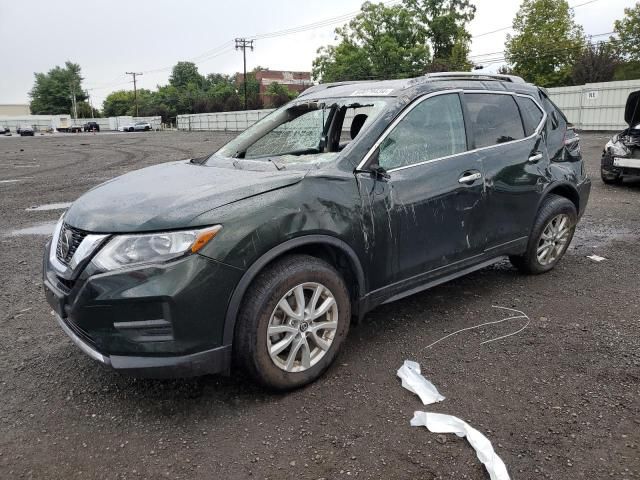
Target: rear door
point(508, 138)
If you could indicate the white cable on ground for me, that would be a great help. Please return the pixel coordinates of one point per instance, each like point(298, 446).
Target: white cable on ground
point(522, 315)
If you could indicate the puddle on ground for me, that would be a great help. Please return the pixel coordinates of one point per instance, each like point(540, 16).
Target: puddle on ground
point(12, 180)
point(40, 229)
point(48, 206)
point(589, 236)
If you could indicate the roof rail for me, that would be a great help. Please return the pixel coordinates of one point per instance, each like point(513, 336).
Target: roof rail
point(476, 76)
point(325, 86)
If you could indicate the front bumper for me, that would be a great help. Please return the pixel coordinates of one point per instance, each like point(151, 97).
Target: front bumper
point(215, 360)
point(163, 320)
point(619, 166)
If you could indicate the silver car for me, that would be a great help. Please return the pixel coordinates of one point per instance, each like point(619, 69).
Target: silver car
point(142, 127)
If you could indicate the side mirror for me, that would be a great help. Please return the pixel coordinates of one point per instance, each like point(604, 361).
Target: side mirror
point(378, 172)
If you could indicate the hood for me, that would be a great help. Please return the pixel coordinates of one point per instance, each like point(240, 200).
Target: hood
point(632, 109)
point(168, 196)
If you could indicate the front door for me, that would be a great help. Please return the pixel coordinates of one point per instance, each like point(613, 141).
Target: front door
point(429, 212)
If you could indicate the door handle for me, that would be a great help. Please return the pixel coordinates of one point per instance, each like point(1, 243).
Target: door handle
point(536, 157)
point(470, 177)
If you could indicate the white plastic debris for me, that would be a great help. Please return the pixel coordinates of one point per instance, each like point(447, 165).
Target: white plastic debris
point(596, 258)
point(413, 381)
point(441, 423)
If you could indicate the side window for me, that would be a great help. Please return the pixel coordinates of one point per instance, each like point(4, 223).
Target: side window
point(433, 129)
point(495, 118)
point(531, 114)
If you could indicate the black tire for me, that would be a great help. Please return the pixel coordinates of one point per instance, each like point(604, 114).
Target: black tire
point(551, 207)
point(610, 178)
point(250, 342)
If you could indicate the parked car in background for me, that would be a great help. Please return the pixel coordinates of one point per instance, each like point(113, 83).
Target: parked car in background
point(129, 127)
point(6, 131)
point(350, 196)
point(26, 130)
point(91, 127)
point(621, 155)
point(142, 127)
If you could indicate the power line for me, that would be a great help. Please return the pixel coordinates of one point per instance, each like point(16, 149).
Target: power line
point(503, 51)
point(314, 25)
point(510, 27)
point(228, 47)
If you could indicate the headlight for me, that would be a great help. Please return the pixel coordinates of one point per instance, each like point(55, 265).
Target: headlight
point(617, 148)
point(125, 250)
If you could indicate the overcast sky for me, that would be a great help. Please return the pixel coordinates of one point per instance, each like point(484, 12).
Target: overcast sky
point(109, 38)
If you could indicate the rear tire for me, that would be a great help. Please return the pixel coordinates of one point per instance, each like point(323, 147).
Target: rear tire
point(550, 236)
point(283, 350)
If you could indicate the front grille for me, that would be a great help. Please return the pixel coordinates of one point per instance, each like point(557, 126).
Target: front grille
point(68, 242)
point(65, 285)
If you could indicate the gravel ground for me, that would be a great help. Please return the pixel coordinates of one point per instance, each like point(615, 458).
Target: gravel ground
point(560, 400)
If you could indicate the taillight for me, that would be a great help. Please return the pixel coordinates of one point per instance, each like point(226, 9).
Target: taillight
point(570, 138)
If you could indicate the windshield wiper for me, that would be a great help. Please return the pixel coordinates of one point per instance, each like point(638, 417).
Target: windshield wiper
point(278, 165)
point(199, 160)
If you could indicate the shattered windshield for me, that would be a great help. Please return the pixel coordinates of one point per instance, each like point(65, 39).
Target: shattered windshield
point(305, 131)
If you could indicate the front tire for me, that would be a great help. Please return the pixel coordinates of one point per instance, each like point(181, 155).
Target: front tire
point(550, 237)
point(294, 318)
point(610, 178)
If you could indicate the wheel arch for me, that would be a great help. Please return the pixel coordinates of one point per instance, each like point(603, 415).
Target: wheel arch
point(562, 189)
point(337, 252)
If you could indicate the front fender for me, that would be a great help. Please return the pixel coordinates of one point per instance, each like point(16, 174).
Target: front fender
point(264, 260)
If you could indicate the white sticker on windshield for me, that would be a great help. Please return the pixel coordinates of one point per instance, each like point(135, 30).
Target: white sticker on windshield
point(372, 92)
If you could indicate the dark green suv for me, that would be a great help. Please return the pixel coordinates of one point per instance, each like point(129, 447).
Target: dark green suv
point(353, 195)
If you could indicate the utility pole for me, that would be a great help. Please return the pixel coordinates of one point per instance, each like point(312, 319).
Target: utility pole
point(74, 105)
point(135, 89)
point(243, 43)
point(90, 105)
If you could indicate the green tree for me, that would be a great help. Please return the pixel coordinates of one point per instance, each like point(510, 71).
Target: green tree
point(85, 111)
point(546, 43)
point(254, 101)
point(118, 103)
point(597, 63)
point(397, 41)
point(627, 71)
point(380, 42)
point(446, 26)
point(222, 93)
point(628, 31)
point(53, 91)
point(278, 94)
point(184, 73)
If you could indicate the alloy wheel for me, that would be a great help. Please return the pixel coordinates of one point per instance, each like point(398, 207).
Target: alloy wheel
point(302, 327)
point(553, 239)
